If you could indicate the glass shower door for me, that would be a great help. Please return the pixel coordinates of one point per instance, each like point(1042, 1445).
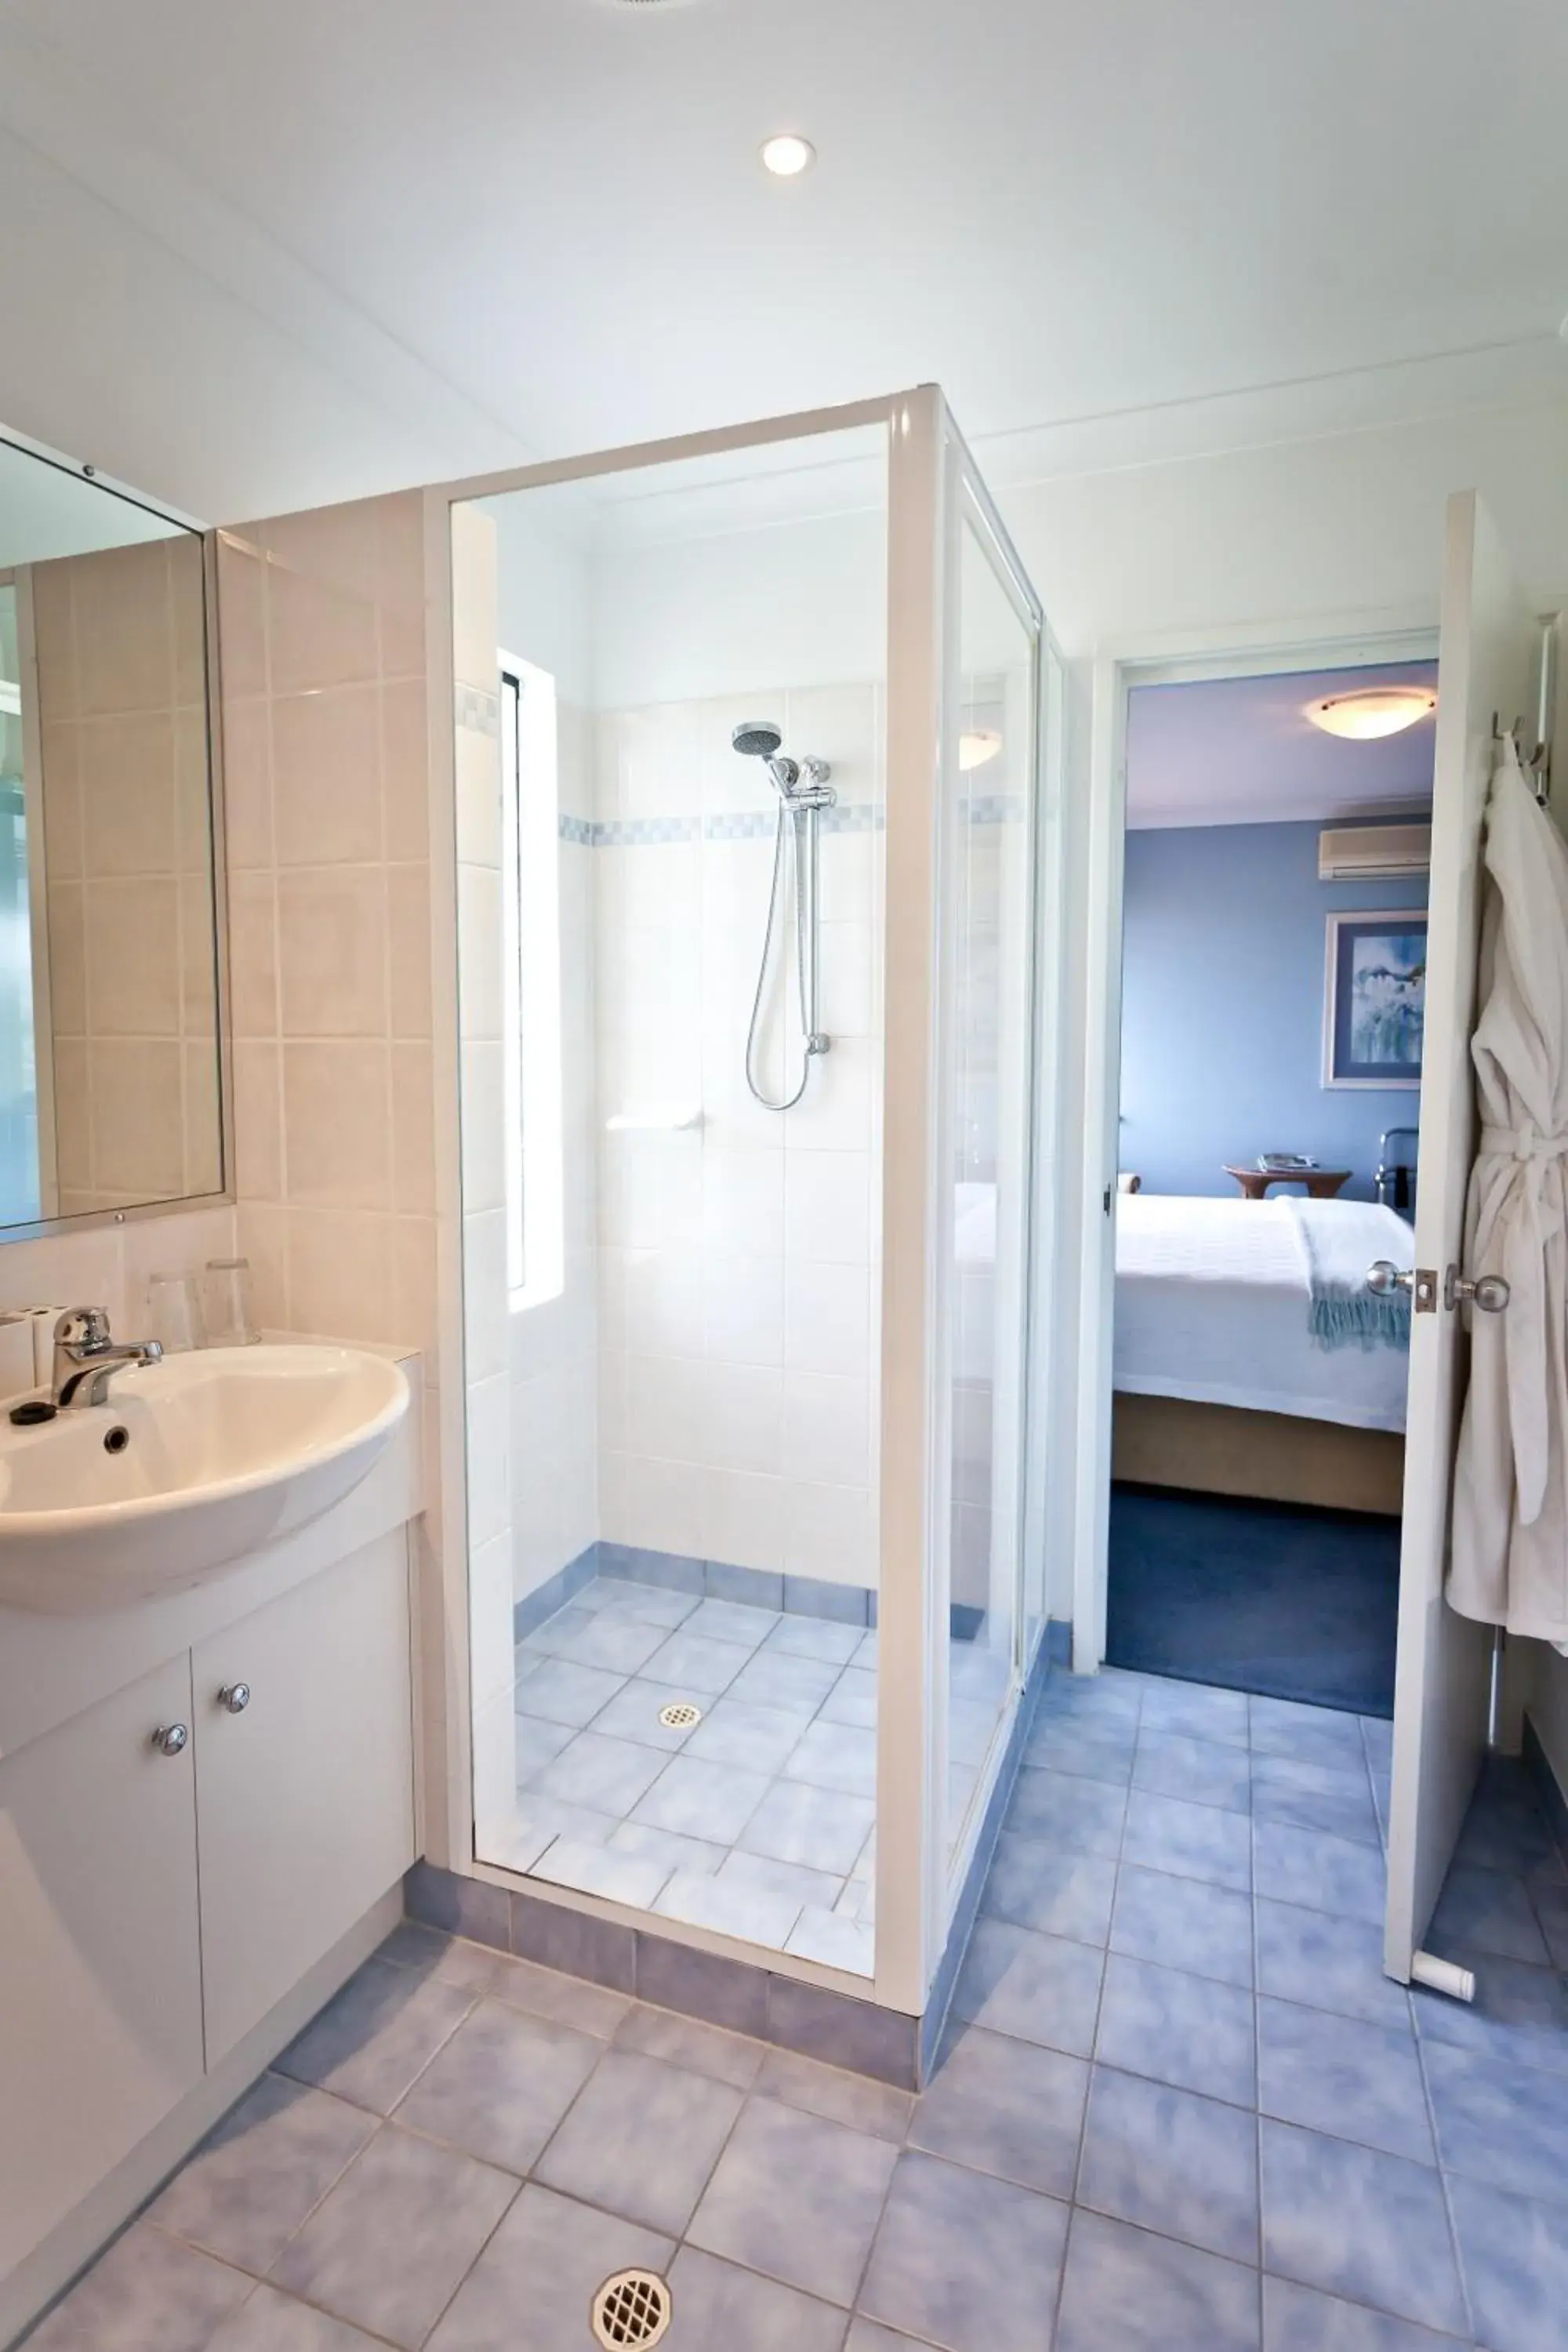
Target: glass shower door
point(988, 860)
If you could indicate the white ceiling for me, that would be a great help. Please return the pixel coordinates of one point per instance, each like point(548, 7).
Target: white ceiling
point(1240, 751)
point(335, 246)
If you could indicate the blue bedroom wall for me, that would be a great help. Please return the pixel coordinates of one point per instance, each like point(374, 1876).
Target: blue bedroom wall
point(1222, 1020)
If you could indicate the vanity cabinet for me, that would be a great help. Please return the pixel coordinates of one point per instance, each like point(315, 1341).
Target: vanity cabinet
point(160, 1896)
point(304, 1780)
point(100, 1973)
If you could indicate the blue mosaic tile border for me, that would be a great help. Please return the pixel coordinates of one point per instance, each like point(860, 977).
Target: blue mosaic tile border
point(741, 824)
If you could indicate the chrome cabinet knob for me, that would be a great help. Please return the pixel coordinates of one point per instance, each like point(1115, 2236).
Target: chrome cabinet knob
point(1384, 1277)
point(235, 1698)
point(170, 1738)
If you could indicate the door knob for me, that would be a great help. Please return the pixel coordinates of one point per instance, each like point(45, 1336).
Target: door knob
point(235, 1698)
point(1384, 1277)
point(170, 1738)
point(1489, 1292)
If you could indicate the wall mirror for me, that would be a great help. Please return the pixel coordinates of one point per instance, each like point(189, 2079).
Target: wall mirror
point(111, 1060)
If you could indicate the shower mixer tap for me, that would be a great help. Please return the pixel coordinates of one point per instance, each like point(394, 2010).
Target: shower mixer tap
point(804, 791)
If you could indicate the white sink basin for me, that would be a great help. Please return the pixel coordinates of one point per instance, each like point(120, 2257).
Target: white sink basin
point(223, 1451)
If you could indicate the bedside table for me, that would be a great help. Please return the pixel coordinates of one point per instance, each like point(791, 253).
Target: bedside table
point(1321, 1183)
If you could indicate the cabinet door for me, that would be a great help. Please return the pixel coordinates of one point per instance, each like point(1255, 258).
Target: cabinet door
point(100, 1994)
point(306, 1796)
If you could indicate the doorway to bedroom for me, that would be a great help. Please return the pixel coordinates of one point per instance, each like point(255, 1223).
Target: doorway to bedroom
point(1273, 964)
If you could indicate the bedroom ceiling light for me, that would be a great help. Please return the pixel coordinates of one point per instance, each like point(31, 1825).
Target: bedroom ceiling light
point(976, 746)
point(1372, 711)
point(788, 155)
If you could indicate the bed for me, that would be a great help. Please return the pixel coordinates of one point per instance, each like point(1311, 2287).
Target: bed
point(1221, 1383)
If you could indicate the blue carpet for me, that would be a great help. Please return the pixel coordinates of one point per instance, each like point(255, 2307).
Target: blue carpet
point(1266, 1596)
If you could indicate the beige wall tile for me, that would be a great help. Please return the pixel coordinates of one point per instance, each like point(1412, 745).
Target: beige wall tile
point(133, 961)
point(258, 1121)
point(405, 771)
point(326, 777)
point(73, 1122)
point(124, 629)
point(337, 1125)
point(412, 1129)
point(136, 1085)
point(187, 594)
point(408, 934)
point(261, 1233)
point(332, 951)
point(253, 954)
point(400, 541)
point(68, 961)
point(415, 1312)
point(316, 635)
point(242, 615)
point(339, 546)
point(193, 792)
point(204, 1126)
point(198, 969)
point(248, 783)
point(61, 746)
point(341, 1274)
point(128, 793)
point(54, 640)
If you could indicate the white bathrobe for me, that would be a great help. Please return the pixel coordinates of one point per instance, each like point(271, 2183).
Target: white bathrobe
point(1510, 1562)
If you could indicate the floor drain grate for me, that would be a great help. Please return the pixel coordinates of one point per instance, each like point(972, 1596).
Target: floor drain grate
point(633, 2308)
point(681, 1715)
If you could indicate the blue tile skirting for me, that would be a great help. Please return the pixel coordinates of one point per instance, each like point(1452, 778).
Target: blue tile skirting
point(809, 2018)
point(797, 1596)
point(1055, 1647)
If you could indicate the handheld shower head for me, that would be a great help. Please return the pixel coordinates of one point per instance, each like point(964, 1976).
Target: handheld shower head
point(757, 739)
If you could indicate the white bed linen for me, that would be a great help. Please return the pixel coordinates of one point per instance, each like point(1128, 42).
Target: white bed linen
point(1212, 1302)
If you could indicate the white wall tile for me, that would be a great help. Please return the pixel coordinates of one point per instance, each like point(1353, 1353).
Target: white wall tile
point(828, 1428)
point(827, 1206)
point(744, 1309)
point(664, 1400)
point(743, 1201)
point(829, 1532)
point(742, 1419)
point(827, 1320)
point(744, 1518)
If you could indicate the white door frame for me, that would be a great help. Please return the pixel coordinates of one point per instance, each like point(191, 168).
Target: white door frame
point(1333, 641)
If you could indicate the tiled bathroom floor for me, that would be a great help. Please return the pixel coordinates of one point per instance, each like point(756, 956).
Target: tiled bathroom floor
point(758, 1823)
point(1181, 2108)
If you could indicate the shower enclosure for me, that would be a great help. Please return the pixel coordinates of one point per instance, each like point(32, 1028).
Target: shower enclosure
point(756, 755)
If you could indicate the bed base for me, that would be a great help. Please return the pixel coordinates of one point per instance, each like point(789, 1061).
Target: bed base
point(1219, 1449)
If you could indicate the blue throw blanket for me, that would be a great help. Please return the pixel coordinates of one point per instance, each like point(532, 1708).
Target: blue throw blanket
point(1343, 1313)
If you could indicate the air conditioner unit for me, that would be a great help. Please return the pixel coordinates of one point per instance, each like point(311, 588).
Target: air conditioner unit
point(1372, 852)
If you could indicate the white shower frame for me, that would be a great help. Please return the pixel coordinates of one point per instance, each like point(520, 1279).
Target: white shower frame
point(932, 483)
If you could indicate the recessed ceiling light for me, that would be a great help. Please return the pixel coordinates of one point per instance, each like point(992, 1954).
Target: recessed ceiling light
point(1374, 710)
point(976, 746)
point(788, 155)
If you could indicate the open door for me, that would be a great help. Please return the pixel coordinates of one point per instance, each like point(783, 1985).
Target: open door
point(1487, 641)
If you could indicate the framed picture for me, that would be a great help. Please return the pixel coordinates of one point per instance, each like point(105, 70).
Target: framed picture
point(1374, 999)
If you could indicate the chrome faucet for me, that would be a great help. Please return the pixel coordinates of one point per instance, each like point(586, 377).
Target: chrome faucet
point(87, 1357)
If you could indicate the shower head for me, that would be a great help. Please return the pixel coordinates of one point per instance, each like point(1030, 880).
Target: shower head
point(757, 739)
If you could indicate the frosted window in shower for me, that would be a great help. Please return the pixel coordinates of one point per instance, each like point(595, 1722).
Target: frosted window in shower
point(531, 999)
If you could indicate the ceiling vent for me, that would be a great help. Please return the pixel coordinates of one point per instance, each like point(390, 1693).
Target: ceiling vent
point(1373, 853)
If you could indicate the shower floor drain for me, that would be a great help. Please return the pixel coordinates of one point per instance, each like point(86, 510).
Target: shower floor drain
point(681, 1715)
point(633, 2308)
